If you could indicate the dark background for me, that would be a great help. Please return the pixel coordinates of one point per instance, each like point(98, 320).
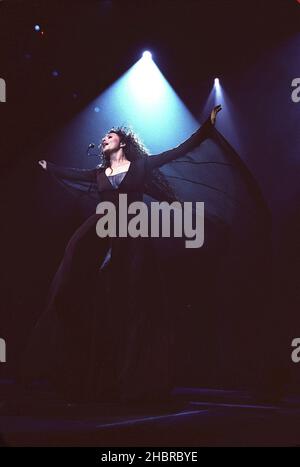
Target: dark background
point(253, 47)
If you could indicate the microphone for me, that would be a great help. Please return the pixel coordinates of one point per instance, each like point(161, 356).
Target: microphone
point(88, 151)
point(96, 154)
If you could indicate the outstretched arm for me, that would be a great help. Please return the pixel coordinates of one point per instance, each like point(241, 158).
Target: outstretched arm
point(200, 135)
point(85, 175)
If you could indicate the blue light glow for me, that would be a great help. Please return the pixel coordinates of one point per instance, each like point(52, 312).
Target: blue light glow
point(141, 99)
point(146, 84)
point(225, 119)
point(37, 27)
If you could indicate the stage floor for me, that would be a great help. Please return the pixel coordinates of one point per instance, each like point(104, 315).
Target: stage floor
point(195, 417)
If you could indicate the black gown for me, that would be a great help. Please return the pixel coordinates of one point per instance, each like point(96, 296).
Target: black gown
point(110, 326)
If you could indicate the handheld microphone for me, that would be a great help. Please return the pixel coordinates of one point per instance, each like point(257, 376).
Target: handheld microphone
point(96, 154)
point(91, 146)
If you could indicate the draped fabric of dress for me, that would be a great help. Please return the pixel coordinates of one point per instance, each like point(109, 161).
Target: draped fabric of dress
point(110, 325)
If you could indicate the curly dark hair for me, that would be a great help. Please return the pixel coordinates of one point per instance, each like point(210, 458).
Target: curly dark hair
point(135, 149)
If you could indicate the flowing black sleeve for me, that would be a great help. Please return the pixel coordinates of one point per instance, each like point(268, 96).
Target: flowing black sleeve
point(206, 168)
point(78, 182)
point(157, 160)
point(68, 173)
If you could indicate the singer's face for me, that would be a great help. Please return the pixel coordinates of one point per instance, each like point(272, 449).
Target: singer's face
point(110, 143)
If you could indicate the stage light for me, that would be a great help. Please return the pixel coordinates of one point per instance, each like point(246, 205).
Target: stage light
point(145, 82)
point(55, 73)
point(143, 99)
point(37, 27)
point(147, 55)
point(217, 89)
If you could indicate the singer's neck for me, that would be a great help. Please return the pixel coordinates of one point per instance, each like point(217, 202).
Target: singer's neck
point(118, 158)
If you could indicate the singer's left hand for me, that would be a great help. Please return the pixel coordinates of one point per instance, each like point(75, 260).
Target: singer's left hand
point(214, 112)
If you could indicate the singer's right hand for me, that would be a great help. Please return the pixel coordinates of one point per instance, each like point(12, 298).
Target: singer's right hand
point(43, 164)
